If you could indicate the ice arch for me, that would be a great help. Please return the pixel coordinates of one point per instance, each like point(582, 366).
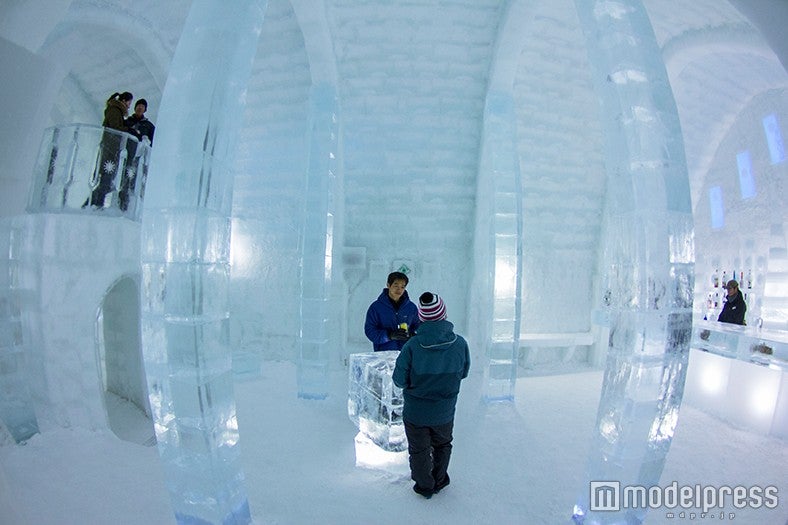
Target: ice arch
point(495, 307)
point(68, 41)
point(647, 257)
point(138, 38)
point(311, 17)
point(185, 259)
point(119, 356)
point(322, 225)
point(646, 254)
point(185, 243)
point(694, 47)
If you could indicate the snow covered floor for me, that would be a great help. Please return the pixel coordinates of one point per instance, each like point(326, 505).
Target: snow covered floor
point(511, 464)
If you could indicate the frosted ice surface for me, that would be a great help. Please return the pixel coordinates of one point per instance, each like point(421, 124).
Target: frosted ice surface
point(317, 243)
point(185, 263)
point(16, 409)
point(500, 175)
point(374, 402)
point(648, 219)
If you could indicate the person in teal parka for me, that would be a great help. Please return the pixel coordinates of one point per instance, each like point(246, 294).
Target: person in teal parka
point(429, 370)
point(393, 318)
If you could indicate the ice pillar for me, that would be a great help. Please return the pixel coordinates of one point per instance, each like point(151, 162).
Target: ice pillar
point(647, 260)
point(186, 262)
point(17, 413)
point(500, 217)
point(318, 242)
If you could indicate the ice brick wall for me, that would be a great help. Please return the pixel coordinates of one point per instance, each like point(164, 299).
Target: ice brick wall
point(412, 125)
point(67, 263)
point(412, 109)
point(268, 198)
point(563, 178)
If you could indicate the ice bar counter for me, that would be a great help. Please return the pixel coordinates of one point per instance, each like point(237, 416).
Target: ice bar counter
point(740, 373)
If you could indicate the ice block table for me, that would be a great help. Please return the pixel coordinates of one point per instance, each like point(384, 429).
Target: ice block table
point(375, 407)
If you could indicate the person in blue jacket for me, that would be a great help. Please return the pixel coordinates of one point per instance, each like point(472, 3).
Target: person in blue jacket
point(392, 319)
point(429, 370)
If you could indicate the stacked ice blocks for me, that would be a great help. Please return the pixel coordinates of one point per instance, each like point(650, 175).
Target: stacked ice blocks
point(374, 402)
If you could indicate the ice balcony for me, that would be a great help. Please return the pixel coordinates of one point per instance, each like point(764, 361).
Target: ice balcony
point(89, 169)
point(68, 274)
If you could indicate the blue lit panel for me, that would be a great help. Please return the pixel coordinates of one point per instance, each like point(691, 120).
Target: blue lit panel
point(774, 138)
point(717, 211)
point(746, 176)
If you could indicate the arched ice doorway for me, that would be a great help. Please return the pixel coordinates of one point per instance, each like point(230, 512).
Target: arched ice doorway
point(120, 363)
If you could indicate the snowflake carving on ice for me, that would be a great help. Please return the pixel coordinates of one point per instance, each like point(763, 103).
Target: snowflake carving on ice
point(109, 167)
point(130, 173)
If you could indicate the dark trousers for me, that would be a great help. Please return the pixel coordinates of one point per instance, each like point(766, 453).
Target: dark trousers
point(106, 169)
point(430, 449)
point(128, 176)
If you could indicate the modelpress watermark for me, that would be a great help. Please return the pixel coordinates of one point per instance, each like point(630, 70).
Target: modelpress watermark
point(611, 496)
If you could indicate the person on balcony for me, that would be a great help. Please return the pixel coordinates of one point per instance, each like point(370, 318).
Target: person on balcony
point(139, 123)
point(143, 129)
point(110, 148)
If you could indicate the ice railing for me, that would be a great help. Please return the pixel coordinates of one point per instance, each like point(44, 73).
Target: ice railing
point(83, 168)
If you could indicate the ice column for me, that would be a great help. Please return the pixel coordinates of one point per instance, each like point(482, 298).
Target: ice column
point(16, 406)
point(500, 218)
point(646, 261)
point(186, 262)
point(318, 242)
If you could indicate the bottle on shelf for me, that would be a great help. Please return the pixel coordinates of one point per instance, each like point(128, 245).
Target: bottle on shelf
point(724, 277)
point(749, 278)
point(715, 278)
